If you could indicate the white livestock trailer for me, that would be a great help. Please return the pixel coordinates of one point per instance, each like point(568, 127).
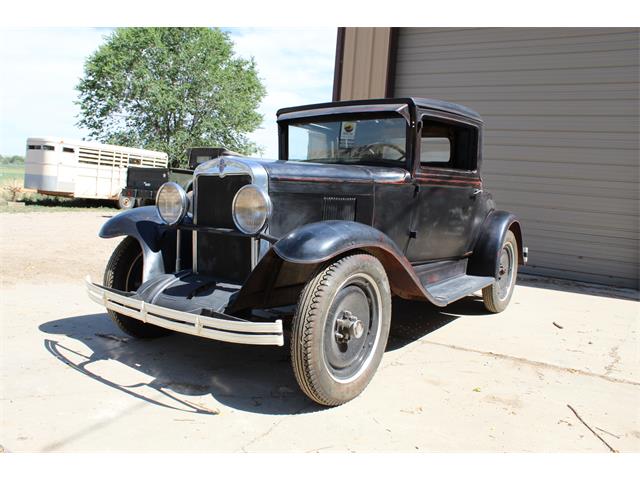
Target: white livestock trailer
point(74, 168)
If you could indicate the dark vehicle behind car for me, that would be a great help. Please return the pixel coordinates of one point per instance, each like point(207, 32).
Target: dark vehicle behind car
point(143, 183)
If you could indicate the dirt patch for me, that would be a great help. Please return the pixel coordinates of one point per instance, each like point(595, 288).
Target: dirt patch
point(57, 246)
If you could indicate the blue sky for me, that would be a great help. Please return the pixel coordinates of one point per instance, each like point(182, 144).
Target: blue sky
point(41, 66)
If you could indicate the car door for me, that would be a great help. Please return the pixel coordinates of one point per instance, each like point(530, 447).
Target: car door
point(448, 186)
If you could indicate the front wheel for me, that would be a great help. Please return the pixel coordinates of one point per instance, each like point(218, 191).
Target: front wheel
point(497, 296)
point(124, 273)
point(340, 329)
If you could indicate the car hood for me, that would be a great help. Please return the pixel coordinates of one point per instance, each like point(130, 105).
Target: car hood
point(291, 171)
point(281, 170)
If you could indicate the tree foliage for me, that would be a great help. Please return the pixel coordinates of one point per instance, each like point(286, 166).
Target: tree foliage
point(169, 89)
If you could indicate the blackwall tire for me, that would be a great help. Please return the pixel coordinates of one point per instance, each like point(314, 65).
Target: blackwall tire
point(124, 272)
point(497, 296)
point(347, 298)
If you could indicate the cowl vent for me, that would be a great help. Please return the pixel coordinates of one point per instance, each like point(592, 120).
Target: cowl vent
point(339, 208)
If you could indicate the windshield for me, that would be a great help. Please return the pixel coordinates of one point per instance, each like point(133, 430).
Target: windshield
point(378, 141)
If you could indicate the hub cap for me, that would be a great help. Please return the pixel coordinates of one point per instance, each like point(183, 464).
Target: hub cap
point(352, 328)
point(348, 327)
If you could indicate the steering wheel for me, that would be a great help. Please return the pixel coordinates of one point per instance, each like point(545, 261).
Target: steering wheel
point(376, 149)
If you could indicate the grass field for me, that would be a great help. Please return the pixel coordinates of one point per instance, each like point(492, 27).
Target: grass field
point(9, 173)
point(14, 175)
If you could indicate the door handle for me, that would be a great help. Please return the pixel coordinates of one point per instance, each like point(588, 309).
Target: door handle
point(476, 192)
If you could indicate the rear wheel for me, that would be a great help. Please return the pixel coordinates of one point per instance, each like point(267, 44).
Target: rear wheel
point(124, 273)
point(340, 329)
point(497, 296)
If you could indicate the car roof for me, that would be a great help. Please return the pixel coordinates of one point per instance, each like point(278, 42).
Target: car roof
point(427, 103)
point(449, 107)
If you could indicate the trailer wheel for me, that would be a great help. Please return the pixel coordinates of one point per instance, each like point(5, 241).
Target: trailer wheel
point(124, 273)
point(125, 203)
point(340, 329)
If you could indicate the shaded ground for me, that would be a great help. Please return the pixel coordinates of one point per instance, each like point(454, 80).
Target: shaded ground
point(454, 379)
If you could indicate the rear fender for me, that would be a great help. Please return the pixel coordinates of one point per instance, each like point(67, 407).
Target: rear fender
point(293, 260)
point(145, 225)
point(485, 259)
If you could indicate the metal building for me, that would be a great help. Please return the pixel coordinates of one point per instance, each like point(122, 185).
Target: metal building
point(561, 109)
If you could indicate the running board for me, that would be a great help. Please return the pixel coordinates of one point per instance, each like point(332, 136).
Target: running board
point(457, 287)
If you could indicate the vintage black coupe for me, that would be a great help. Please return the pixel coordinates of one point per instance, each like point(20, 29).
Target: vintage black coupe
point(369, 199)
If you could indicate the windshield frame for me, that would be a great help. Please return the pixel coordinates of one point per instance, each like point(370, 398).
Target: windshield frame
point(283, 133)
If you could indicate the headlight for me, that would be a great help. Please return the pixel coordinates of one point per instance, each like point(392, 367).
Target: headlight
point(251, 209)
point(172, 203)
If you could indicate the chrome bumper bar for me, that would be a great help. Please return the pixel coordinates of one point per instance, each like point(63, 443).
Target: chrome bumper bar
point(220, 328)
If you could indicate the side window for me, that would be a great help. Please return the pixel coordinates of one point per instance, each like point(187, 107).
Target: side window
point(448, 145)
point(435, 151)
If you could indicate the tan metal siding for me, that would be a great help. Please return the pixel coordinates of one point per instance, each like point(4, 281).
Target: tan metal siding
point(365, 58)
point(561, 109)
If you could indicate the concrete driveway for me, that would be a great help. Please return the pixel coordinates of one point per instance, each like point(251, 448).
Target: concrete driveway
point(453, 379)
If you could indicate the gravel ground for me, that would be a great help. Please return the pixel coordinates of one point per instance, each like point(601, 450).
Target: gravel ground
point(453, 379)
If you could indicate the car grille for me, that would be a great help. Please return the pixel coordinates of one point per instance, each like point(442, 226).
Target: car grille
point(227, 257)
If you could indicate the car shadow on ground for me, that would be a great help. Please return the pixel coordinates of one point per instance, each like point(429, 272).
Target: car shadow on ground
point(177, 371)
point(414, 320)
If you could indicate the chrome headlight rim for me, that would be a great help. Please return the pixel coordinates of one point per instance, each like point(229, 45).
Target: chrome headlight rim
point(267, 204)
point(184, 202)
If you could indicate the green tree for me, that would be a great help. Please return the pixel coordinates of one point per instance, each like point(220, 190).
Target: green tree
point(169, 89)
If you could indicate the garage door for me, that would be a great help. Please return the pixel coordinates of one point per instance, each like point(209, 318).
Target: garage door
point(561, 140)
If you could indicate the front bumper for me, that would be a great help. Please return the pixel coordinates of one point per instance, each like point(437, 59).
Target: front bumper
point(217, 327)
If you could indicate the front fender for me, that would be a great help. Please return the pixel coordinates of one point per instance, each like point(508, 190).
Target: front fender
point(292, 261)
point(320, 241)
point(486, 252)
point(145, 225)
